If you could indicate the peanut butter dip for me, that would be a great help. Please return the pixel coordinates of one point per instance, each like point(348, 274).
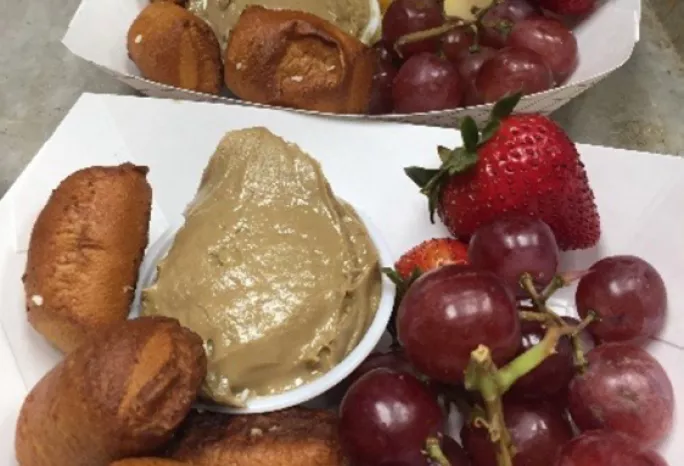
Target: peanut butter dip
point(278, 276)
point(352, 16)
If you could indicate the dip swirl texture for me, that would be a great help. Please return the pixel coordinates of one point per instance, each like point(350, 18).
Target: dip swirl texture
point(278, 276)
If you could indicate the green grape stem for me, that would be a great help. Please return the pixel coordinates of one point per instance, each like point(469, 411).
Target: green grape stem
point(548, 317)
point(557, 282)
point(481, 376)
point(492, 383)
point(578, 351)
point(449, 24)
point(434, 452)
point(419, 36)
point(539, 300)
point(533, 316)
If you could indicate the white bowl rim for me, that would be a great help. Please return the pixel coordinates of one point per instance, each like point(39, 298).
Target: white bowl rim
point(322, 384)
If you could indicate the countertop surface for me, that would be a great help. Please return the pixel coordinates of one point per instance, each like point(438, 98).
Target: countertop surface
point(637, 107)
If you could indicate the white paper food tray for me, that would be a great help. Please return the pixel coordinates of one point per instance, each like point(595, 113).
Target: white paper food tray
point(606, 40)
point(639, 197)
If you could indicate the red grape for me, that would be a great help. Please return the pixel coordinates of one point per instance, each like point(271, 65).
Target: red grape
point(457, 43)
point(449, 312)
point(511, 70)
point(383, 79)
point(627, 294)
point(471, 63)
point(499, 20)
point(468, 68)
point(426, 82)
point(652, 458)
point(538, 431)
point(513, 245)
point(407, 16)
point(393, 359)
point(567, 7)
point(624, 389)
point(386, 417)
point(552, 40)
point(598, 448)
point(553, 375)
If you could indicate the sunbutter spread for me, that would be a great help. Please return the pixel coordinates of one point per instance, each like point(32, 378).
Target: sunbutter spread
point(278, 276)
point(352, 16)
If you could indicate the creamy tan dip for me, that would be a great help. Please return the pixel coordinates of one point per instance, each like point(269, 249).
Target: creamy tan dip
point(352, 16)
point(278, 276)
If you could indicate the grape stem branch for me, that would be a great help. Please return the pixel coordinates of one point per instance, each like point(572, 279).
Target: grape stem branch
point(557, 282)
point(434, 452)
point(425, 34)
point(530, 359)
point(547, 321)
point(539, 300)
point(548, 317)
point(532, 316)
point(481, 375)
point(578, 350)
point(450, 24)
point(491, 382)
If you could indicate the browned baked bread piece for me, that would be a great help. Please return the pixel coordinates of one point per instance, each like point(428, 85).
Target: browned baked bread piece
point(84, 253)
point(172, 46)
point(118, 396)
point(296, 436)
point(296, 59)
point(148, 462)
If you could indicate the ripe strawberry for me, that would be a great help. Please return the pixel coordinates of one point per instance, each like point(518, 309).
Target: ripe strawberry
point(568, 7)
point(431, 254)
point(519, 163)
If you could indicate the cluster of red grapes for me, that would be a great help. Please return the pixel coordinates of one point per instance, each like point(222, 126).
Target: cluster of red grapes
point(534, 389)
point(511, 48)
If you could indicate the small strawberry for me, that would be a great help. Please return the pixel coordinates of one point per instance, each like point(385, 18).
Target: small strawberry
point(431, 254)
point(428, 255)
point(568, 7)
point(521, 163)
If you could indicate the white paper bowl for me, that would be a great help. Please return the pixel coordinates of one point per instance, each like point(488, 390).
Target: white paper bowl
point(306, 392)
point(606, 40)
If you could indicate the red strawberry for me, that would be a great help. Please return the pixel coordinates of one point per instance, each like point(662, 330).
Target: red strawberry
point(568, 7)
point(431, 254)
point(519, 163)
